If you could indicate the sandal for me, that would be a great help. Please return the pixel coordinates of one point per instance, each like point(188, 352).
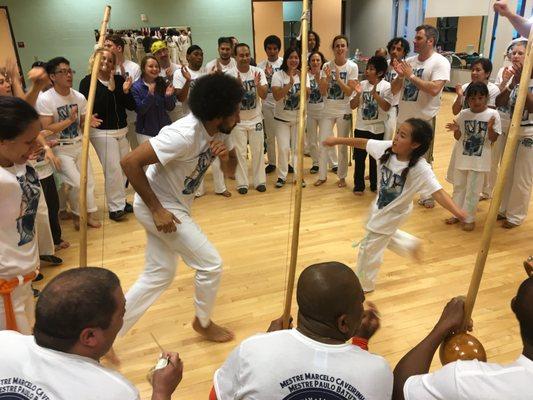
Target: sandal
point(320, 182)
point(225, 193)
point(508, 225)
point(341, 183)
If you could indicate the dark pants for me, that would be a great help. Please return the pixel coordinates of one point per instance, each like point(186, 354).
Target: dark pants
point(360, 157)
point(52, 202)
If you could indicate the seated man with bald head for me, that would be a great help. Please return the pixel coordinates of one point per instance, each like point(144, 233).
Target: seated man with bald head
point(77, 318)
point(473, 380)
point(312, 361)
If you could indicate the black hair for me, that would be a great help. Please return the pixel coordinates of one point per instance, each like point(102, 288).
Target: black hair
point(15, 117)
point(272, 39)
point(224, 39)
point(287, 54)
point(74, 300)
point(421, 133)
point(475, 88)
point(380, 64)
point(340, 37)
point(396, 40)
point(54, 63)
point(430, 31)
point(317, 40)
point(521, 306)
point(485, 63)
point(116, 40)
point(312, 54)
point(215, 96)
point(239, 45)
point(192, 48)
point(39, 64)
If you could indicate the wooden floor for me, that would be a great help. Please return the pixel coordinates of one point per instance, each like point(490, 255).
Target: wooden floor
point(252, 234)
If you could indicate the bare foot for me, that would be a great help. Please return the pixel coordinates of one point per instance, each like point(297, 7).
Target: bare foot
point(358, 193)
point(112, 357)
point(76, 222)
point(341, 183)
point(225, 193)
point(62, 245)
point(213, 332)
point(319, 182)
point(92, 221)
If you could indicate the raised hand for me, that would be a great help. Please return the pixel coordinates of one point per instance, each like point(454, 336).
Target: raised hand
point(269, 70)
point(507, 74)
point(127, 85)
point(38, 76)
point(239, 78)
point(336, 73)
point(186, 73)
point(218, 149)
point(291, 77)
point(358, 88)
point(73, 114)
point(95, 121)
point(407, 69)
point(257, 79)
point(169, 90)
point(517, 71)
point(168, 72)
point(459, 90)
point(219, 67)
point(502, 8)
point(452, 126)
point(111, 86)
point(12, 70)
point(370, 322)
point(327, 71)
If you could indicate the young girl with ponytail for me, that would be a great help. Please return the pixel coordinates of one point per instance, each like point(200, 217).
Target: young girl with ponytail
point(402, 172)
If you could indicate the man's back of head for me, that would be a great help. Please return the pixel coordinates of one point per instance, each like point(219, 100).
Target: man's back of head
point(522, 305)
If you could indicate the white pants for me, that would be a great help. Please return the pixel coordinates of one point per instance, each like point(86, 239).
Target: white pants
point(371, 251)
point(517, 190)
point(218, 179)
point(286, 138)
point(110, 151)
point(23, 306)
point(70, 157)
point(270, 132)
point(466, 188)
point(496, 156)
point(314, 142)
point(161, 258)
point(253, 134)
point(344, 127)
point(45, 241)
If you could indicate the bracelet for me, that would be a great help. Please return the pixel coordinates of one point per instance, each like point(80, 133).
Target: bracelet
point(360, 342)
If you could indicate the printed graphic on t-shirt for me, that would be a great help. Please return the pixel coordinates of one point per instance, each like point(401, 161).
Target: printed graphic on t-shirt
point(292, 99)
point(249, 100)
point(191, 183)
point(14, 388)
point(311, 386)
point(269, 78)
point(475, 133)
point(390, 75)
point(527, 142)
point(30, 187)
point(369, 109)
point(410, 92)
point(390, 188)
point(63, 113)
point(334, 90)
point(315, 97)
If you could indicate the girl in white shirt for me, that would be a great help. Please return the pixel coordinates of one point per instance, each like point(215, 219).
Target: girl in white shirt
point(475, 129)
point(403, 172)
point(286, 91)
point(315, 106)
point(338, 81)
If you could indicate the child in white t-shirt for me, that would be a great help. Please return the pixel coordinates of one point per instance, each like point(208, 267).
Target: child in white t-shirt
point(403, 172)
point(475, 129)
point(373, 101)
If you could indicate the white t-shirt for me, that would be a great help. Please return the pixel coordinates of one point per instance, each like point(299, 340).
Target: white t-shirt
point(132, 69)
point(474, 380)
point(51, 103)
point(416, 103)
point(29, 371)
point(288, 107)
point(527, 117)
point(276, 66)
point(225, 68)
point(182, 149)
point(179, 81)
point(337, 104)
point(21, 191)
point(173, 67)
point(473, 149)
point(494, 91)
point(370, 116)
point(503, 110)
point(290, 366)
point(251, 103)
point(315, 103)
point(395, 196)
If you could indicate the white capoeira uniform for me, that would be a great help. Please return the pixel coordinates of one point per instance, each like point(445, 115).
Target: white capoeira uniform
point(286, 118)
point(184, 156)
point(133, 70)
point(392, 206)
point(337, 112)
point(517, 190)
point(68, 150)
point(19, 252)
point(390, 123)
point(471, 158)
point(250, 129)
point(268, 111)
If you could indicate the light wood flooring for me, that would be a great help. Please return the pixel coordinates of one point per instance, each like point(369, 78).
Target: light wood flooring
point(251, 233)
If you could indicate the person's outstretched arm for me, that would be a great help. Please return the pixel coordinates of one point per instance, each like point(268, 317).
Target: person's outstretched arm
point(358, 143)
point(522, 25)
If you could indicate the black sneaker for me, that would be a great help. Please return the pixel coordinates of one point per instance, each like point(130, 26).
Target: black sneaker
point(279, 183)
point(335, 169)
point(117, 215)
point(291, 169)
point(128, 208)
point(51, 260)
point(270, 168)
point(314, 169)
point(261, 188)
point(38, 278)
point(242, 190)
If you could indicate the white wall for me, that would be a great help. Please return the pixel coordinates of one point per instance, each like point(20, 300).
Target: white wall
point(369, 24)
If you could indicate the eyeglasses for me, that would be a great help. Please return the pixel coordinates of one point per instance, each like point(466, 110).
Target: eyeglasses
point(65, 71)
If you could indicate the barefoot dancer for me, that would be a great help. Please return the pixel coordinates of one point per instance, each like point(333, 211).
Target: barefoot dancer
point(178, 158)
